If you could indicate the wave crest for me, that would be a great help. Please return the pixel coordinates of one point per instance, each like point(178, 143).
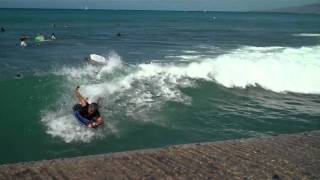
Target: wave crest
point(136, 91)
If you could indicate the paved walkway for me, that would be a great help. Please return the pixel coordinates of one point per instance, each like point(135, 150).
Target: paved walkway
point(294, 156)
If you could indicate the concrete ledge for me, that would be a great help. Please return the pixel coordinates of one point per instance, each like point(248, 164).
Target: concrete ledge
point(294, 156)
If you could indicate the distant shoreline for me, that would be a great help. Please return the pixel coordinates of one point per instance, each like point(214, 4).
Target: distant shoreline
point(306, 9)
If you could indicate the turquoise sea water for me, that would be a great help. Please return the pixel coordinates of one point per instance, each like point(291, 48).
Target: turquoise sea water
point(171, 78)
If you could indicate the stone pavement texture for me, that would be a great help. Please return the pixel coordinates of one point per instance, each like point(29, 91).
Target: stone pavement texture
point(295, 156)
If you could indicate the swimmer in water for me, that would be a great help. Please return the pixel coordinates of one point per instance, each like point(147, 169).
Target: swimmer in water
point(23, 40)
point(53, 36)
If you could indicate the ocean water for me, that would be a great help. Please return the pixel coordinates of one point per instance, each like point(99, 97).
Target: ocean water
point(171, 78)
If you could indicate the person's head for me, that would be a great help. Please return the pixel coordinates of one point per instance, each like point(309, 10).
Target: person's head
point(93, 107)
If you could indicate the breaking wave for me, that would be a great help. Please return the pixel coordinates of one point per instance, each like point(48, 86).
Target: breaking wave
point(307, 34)
point(136, 91)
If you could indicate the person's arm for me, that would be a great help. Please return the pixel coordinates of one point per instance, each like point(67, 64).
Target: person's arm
point(98, 122)
point(82, 101)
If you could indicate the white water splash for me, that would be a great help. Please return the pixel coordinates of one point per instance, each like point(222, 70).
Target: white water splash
point(140, 89)
point(307, 34)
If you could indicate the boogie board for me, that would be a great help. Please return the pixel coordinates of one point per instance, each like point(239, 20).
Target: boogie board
point(76, 112)
point(97, 59)
point(82, 120)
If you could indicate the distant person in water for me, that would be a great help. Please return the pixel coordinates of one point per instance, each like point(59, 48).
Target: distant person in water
point(3, 29)
point(53, 36)
point(23, 40)
point(19, 75)
point(39, 38)
point(89, 111)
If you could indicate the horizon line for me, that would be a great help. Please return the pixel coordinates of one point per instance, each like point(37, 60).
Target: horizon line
point(204, 10)
point(102, 9)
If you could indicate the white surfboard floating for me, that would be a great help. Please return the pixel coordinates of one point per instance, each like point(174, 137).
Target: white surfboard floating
point(97, 58)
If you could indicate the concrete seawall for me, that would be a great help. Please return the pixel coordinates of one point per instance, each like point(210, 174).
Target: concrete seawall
point(295, 156)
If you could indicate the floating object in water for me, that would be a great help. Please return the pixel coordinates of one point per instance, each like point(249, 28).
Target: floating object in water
point(39, 38)
point(94, 58)
point(19, 75)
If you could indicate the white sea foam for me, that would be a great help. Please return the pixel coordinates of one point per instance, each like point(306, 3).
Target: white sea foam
point(189, 57)
point(308, 34)
point(183, 58)
point(190, 52)
point(280, 70)
point(248, 49)
point(64, 126)
point(140, 89)
point(113, 62)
